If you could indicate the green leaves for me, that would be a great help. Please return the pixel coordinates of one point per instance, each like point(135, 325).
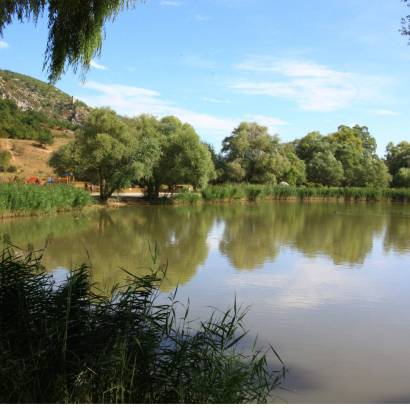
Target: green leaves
point(75, 28)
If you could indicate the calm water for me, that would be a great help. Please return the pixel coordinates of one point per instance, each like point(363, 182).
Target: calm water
point(328, 284)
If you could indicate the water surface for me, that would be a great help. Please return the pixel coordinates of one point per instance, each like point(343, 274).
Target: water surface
point(328, 284)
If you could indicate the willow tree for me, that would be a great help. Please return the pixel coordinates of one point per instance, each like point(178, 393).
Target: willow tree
point(405, 22)
point(76, 28)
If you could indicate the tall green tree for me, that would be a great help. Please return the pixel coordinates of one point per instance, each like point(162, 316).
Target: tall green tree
point(75, 27)
point(183, 158)
point(105, 151)
point(253, 155)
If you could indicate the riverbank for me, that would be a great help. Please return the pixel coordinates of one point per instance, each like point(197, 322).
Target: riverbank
point(251, 193)
point(17, 200)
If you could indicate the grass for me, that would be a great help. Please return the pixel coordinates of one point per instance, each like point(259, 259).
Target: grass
point(65, 343)
point(231, 192)
point(16, 199)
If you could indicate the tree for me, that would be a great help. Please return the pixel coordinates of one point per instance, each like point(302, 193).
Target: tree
point(183, 159)
point(402, 178)
point(75, 28)
point(325, 169)
point(398, 156)
point(45, 138)
point(105, 151)
point(253, 155)
point(371, 172)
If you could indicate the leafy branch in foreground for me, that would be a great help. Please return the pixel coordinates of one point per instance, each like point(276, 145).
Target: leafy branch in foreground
point(69, 343)
point(75, 28)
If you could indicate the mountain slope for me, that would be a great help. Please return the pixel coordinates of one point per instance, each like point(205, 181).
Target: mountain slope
point(30, 94)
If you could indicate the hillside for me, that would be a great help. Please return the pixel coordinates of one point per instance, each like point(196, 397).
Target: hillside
point(29, 158)
point(30, 94)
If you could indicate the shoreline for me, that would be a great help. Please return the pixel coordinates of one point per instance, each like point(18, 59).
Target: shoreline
point(181, 199)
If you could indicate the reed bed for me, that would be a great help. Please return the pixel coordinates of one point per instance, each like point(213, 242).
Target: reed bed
point(252, 192)
point(26, 199)
point(66, 343)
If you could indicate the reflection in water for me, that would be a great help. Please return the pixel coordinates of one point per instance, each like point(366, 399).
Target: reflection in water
point(252, 235)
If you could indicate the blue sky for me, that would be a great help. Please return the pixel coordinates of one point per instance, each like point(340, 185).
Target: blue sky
point(295, 66)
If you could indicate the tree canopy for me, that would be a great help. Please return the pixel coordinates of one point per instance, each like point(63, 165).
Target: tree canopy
point(75, 28)
point(105, 152)
point(251, 154)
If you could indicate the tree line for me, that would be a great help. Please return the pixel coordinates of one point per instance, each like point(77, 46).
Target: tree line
point(116, 152)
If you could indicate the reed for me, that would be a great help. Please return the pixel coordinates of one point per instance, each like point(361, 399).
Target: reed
point(26, 199)
point(253, 192)
point(66, 343)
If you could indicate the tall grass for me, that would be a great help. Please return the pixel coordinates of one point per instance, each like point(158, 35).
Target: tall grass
point(65, 343)
point(250, 192)
point(22, 198)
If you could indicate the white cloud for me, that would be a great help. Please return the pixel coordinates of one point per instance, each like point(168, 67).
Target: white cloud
point(3, 44)
point(387, 113)
point(133, 101)
point(171, 3)
point(94, 64)
point(313, 87)
point(216, 100)
point(271, 122)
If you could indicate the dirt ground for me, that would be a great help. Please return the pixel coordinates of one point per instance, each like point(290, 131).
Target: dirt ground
point(29, 158)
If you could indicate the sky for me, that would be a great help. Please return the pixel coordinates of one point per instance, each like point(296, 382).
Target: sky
point(294, 66)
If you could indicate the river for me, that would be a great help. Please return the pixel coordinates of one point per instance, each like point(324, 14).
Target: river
point(327, 284)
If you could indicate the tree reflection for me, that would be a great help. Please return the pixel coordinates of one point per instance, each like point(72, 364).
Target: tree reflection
point(253, 234)
point(397, 237)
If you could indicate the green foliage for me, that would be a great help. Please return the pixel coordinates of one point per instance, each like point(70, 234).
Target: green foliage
point(5, 158)
point(325, 169)
point(45, 138)
point(253, 155)
point(179, 156)
point(402, 178)
point(56, 108)
point(15, 123)
point(64, 343)
point(398, 156)
point(231, 192)
point(184, 159)
point(22, 198)
point(346, 157)
point(105, 152)
point(75, 28)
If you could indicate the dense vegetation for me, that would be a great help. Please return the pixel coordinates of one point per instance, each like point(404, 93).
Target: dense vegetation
point(117, 152)
point(253, 192)
point(18, 124)
point(114, 153)
point(64, 343)
point(22, 198)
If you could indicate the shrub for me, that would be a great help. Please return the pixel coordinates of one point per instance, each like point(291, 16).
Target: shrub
point(5, 158)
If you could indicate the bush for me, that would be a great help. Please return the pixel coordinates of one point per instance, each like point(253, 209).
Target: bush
point(65, 343)
point(5, 158)
point(12, 168)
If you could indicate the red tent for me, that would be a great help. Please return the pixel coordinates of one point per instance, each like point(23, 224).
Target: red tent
point(33, 180)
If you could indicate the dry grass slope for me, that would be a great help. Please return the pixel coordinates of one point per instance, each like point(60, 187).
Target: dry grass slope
point(29, 158)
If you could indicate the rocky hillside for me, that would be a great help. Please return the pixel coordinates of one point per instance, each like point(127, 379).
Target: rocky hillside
point(30, 94)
